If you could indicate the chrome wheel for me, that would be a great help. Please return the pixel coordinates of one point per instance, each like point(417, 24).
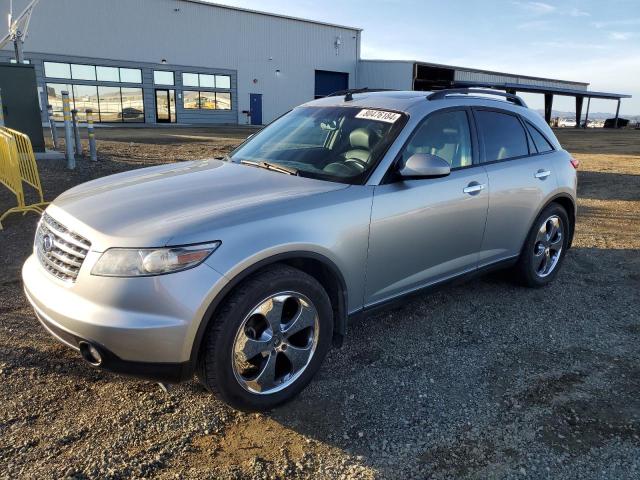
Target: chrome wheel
point(275, 343)
point(548, 246)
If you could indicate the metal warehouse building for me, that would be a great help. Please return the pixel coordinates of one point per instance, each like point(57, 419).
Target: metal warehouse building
point(184, 61)
point(193, 62)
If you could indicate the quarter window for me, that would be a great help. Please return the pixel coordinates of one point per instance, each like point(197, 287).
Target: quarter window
point(445, 134)
point(502, 135)
point(539, 140)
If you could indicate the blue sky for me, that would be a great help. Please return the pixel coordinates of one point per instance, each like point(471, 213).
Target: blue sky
point(596, 41)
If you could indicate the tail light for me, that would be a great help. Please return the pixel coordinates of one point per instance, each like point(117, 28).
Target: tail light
point(575, 162)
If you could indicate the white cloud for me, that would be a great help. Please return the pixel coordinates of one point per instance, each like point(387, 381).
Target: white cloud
point(539, 8)
point(534, 25)
point(617, 23)
point(574, 12)
point(621, 35)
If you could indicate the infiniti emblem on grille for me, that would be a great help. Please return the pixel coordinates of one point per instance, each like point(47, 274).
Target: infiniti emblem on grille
point(47, 243)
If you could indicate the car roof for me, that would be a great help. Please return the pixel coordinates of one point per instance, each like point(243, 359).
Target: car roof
point(417, 105)
point(416, 102)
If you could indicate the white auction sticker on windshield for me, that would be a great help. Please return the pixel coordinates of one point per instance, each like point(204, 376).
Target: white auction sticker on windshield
point(379, 115)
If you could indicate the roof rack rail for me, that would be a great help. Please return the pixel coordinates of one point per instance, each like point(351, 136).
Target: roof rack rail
point(348, 94)
point(442, 94)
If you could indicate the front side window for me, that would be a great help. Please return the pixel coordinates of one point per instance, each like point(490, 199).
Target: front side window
point(502, 135)
point(446, 135)
point(341, 144)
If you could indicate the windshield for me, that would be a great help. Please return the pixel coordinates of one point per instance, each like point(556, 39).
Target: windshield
point(341, 144)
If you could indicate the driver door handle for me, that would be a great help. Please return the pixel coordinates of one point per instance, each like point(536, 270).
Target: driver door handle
point(473, 188)
point(542, 174)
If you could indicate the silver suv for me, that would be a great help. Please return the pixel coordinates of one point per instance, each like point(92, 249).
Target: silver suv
point(245, 270)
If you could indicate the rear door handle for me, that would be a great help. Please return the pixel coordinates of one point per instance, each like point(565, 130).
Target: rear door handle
point(473, 188)
point(542, 174)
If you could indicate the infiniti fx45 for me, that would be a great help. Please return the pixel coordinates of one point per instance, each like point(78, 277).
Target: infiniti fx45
point(245, 270)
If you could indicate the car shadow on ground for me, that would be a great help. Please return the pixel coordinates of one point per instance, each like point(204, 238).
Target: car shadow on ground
point(608, 186)
point(484, 375)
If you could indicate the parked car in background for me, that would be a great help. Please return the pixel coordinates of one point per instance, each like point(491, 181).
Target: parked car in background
point(245, 270)
point(566, 122)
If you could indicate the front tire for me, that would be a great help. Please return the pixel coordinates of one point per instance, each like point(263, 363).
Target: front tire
point(267, 340)
point(545, 247)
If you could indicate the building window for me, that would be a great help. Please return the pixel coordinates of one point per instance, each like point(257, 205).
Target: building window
point(107, 74)
point(223, 101)
point(208, 100)
point(54, 98)
point(190, 100)
point(84, 97)
point(131, 75)
point(207, 81)
point(203, 80)
point(110, 104)
point(162, 77)
point(83, 72)
point(223, 81)
point(57, 70)
point(132, 105)
point(190, 80)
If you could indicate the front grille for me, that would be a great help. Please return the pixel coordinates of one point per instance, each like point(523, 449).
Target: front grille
point(60, 251)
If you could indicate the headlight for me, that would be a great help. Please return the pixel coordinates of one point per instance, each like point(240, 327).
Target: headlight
point(136, 262)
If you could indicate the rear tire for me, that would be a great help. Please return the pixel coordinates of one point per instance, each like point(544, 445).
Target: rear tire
point(545, 247)
point(267, 340)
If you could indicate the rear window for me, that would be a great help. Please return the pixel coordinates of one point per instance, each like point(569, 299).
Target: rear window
point(539, 140)
point(502, 135)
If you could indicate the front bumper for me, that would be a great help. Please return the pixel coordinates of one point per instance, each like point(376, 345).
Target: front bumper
point(143, 326)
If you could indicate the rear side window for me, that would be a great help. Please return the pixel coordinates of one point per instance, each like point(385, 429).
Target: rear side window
point(502, 135)
point(539, 140)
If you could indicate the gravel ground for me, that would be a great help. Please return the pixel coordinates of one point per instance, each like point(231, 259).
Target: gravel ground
point(480, 380)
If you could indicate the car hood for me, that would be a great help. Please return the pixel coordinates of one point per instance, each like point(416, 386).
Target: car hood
point(160, 205)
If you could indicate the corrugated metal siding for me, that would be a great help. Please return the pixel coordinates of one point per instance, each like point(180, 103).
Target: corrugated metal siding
point(198, 35)
point(476, 76)
point(382, 74)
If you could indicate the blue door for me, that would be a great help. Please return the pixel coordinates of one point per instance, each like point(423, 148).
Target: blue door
point(330, 82)
point(255, 104)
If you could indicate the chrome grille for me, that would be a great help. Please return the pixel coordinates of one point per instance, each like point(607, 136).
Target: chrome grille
point(60, 251)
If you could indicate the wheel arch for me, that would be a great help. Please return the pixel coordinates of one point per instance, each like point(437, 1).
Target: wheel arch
point(318, 266)
point(567, 202)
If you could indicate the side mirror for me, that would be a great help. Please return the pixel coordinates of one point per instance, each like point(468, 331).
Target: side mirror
point(425, 165)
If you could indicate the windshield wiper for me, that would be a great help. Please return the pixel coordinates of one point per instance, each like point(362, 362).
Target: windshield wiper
point(271, 166)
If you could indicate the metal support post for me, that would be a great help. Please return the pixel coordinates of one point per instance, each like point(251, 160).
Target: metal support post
point(53, 127)
point(68, 134)
point(617, 115)
point(76, 132)
point(93, 153)
point(1, 110)
point(586, 117)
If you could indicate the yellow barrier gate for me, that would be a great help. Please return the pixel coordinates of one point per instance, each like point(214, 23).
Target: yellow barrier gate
point(17, 165)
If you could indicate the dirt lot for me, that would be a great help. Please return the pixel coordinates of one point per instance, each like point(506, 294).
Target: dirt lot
point(481, 380)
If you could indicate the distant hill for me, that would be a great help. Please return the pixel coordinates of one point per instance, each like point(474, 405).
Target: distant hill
point(592, 115)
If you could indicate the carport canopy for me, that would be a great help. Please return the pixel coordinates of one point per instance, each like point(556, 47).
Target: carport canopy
point(549, 93)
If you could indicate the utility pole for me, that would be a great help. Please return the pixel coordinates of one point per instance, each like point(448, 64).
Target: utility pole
point(18, 29)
